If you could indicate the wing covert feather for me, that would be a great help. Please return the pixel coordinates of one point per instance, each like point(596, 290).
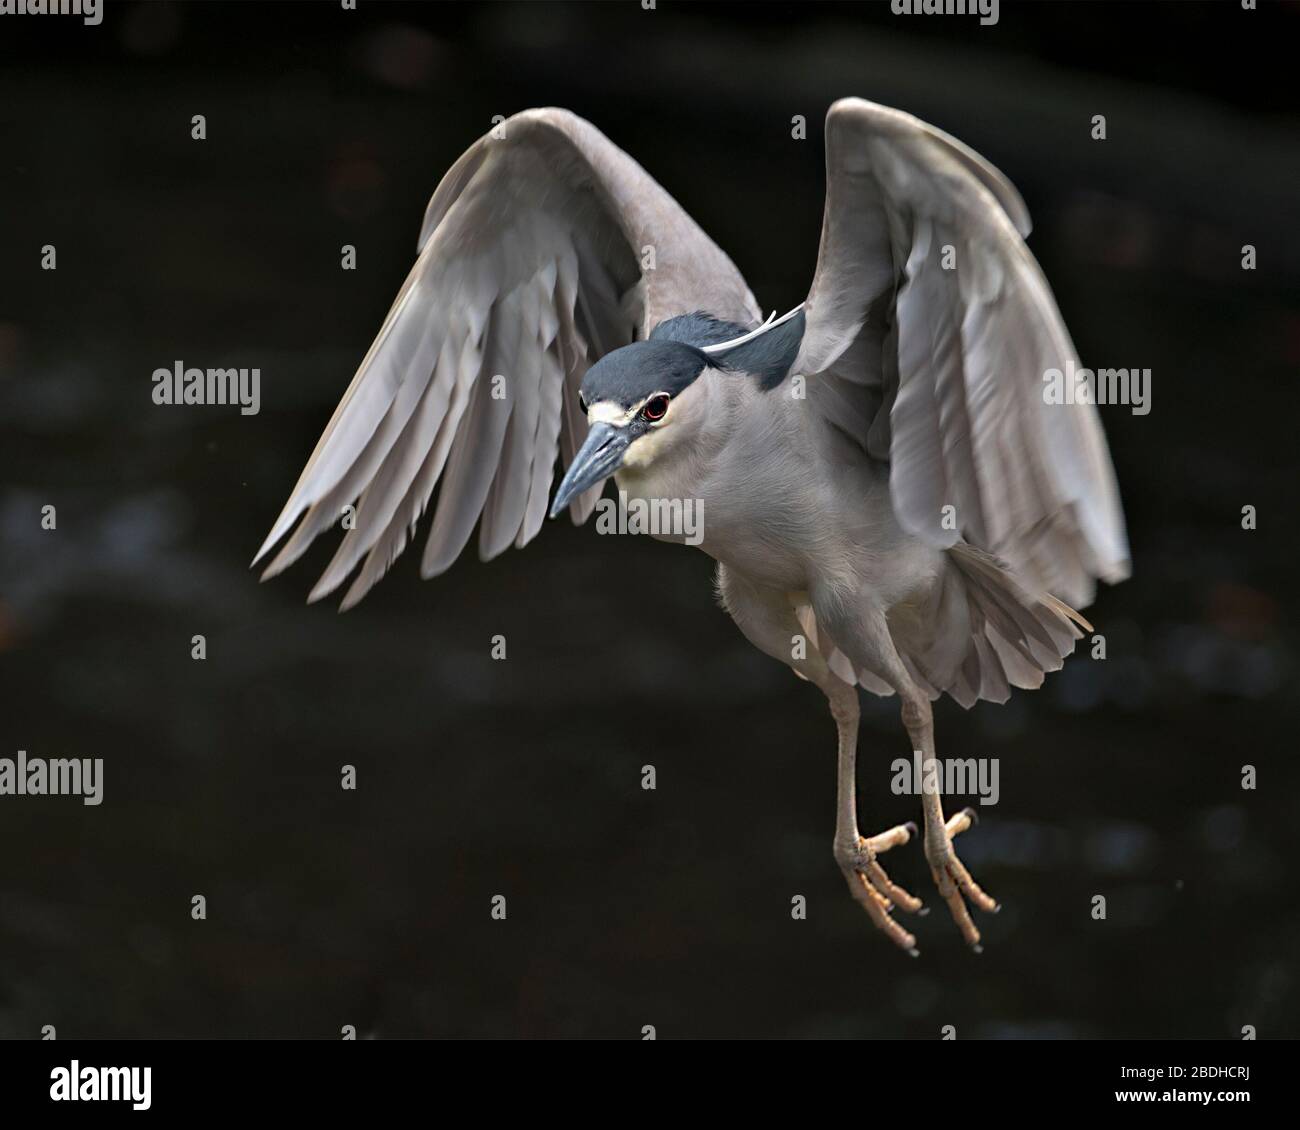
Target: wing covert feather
point(529, 268)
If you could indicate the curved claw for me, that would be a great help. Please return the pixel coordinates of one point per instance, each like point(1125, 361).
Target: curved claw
point(966, 818)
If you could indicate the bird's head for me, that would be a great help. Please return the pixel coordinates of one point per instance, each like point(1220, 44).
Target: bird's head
point(644, 401)
point(638, 400)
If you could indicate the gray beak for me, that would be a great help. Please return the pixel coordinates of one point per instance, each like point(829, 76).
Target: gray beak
point(598, 458)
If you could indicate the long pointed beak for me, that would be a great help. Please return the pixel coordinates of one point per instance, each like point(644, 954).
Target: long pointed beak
point(596, 460)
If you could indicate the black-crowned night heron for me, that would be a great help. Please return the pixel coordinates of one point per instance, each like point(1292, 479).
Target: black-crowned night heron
point(891, 499)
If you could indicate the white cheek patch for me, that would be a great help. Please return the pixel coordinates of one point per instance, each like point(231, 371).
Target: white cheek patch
point(643, 450)
point(607, 412)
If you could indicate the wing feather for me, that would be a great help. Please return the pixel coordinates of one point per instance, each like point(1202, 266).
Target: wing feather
point(529, 268)
point(929, 309)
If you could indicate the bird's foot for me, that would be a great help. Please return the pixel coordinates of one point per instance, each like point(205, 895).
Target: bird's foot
point(871, 887)
point(954, 881)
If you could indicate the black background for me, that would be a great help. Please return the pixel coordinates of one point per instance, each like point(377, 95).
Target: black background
point(522, 777)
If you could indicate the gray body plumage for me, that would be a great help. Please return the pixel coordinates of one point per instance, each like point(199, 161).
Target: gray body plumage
point(881, 475)
point(791, 506)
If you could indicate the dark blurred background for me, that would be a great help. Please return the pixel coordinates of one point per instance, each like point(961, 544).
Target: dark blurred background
point(522, 778)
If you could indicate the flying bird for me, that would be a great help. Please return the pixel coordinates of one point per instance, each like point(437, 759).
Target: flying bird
point(890, 499)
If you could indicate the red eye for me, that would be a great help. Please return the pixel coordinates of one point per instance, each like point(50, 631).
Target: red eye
point(656, 408)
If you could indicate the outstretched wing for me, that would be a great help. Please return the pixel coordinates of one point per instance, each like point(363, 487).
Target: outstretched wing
point(931, 326)
point(529, 270)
